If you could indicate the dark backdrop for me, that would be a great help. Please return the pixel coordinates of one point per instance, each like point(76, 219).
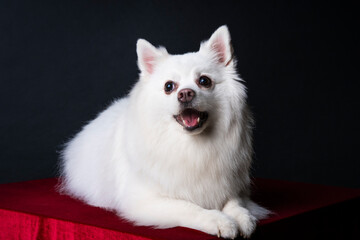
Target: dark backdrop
point(64, 61)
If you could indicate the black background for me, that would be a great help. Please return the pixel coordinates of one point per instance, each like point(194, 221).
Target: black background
point(61, 62)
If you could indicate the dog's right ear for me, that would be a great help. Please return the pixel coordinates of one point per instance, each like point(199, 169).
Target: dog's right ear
point(220, 45)
point(148, 56)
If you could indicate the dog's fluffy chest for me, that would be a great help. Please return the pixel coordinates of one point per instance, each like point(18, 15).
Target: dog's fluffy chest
point(209, 188)
point(196, 172)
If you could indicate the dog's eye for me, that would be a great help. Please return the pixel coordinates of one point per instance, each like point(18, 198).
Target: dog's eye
point(169, 87)
point(204, 81)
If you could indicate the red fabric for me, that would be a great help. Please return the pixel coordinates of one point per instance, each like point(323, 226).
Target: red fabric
point(18, 225)
point(34, 210)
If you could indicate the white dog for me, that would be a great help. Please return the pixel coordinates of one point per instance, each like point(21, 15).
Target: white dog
point(177, 150)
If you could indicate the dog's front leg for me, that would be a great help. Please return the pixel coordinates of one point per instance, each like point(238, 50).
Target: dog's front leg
point(235, 208)
point(168, 212)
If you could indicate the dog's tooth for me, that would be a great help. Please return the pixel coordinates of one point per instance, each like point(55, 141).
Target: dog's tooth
point(184, 122)
point(198, 120)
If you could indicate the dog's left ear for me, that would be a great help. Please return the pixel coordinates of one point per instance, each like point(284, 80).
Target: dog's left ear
point(148, 56)
point(220, 44)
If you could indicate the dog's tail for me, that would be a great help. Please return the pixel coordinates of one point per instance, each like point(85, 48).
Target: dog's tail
point(257, 211)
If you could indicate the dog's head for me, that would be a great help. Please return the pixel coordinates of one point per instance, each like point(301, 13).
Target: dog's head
point(194, 90)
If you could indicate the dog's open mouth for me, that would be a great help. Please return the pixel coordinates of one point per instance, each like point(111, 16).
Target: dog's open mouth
point(191, 119)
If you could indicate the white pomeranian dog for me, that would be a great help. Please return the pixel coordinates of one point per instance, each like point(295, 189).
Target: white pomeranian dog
point(177, 150)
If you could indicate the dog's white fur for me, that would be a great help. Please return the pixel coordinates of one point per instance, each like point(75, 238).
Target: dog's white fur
point(135, 158)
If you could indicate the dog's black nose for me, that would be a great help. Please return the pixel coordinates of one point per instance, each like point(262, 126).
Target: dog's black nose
point(186, 95)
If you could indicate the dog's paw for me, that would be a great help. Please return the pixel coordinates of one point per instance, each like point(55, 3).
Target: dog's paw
point(247, 224)
point(220, 225)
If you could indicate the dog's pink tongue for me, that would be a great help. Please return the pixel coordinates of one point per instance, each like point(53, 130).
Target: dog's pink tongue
point(190, 118)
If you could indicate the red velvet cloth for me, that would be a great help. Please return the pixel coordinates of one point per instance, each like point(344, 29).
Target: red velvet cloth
point(34, 210)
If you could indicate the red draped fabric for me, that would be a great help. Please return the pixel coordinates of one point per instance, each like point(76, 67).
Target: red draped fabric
point(35, 210)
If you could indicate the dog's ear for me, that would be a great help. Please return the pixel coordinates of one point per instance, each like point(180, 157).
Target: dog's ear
point(220, 44)
point(148, 55)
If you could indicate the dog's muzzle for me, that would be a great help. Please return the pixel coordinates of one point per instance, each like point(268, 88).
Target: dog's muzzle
point(191, 118)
